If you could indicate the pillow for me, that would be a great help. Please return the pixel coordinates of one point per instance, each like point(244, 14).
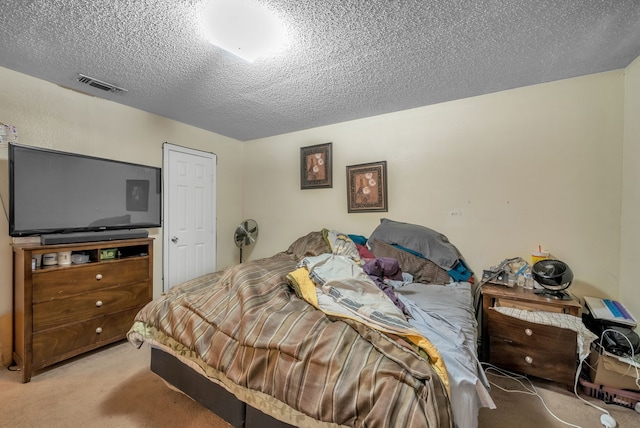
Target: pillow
point(312, 244)
point(431, 244)
point(423, 270)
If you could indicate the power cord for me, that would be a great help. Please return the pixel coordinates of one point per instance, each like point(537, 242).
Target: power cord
point(495, 272)
point(528, 390)
point(605, 419)
point(632, 356)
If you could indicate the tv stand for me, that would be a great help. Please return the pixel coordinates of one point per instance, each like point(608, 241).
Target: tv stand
point(62, 311)
point(104, 235)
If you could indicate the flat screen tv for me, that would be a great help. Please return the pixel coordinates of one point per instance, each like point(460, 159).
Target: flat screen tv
point(54, 192)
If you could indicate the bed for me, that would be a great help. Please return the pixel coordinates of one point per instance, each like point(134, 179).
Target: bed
point(338, 330)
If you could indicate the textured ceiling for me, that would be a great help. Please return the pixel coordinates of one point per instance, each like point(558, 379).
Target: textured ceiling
point(346, 59)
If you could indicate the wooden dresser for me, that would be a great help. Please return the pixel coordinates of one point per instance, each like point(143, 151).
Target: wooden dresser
point(535, 349)
point(61, 311)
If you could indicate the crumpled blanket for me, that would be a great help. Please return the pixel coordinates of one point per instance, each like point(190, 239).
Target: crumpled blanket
point(344, 290)
point(246, 323)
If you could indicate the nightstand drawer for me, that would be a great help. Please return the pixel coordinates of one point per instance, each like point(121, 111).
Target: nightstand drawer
point(534, 335)
point(539, 350)
point(553, 364)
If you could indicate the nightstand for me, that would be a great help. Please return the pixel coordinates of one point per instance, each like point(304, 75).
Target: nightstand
point(535, 349)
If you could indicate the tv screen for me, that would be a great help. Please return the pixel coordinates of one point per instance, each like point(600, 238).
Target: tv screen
point(57, 192)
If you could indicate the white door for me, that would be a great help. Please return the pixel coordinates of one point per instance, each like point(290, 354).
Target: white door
point(189, 205)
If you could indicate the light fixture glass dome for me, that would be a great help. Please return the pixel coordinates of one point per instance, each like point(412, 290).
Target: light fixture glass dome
point(243, 28)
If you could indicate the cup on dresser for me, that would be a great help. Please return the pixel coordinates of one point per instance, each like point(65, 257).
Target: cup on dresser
point(536, 256)
point(50, 259)
point(64, 258)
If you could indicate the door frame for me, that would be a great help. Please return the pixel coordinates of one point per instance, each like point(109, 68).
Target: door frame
point(166, 148)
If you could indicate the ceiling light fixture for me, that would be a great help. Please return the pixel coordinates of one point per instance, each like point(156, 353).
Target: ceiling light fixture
point(243, 27)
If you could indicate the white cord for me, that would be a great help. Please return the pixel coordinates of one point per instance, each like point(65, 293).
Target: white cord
point(575, 389)
point(529, 391)
point(630, 347)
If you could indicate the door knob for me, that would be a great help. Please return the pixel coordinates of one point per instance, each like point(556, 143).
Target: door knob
point(174, 239)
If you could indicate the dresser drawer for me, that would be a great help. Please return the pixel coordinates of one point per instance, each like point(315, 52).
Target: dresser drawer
point(62, 282)
point(86, 335)
point(540, 350)
point(93, 304)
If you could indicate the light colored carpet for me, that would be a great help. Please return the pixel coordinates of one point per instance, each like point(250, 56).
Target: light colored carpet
point(110, 388)
point(114, 387)
point(521, 410)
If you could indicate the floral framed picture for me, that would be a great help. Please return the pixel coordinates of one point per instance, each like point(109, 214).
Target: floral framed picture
point(316, 170)
point(367, 187)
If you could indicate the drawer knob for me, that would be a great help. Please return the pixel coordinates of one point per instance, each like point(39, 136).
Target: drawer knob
point(528, 359)
point(99, 330)
point(99, 276)
point(99, 303)
point(528, 332)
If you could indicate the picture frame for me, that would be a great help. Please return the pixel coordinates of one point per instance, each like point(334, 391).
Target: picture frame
point(316, 166)
point(367, 187)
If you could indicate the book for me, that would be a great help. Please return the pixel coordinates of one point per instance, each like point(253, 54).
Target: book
point(610, 311)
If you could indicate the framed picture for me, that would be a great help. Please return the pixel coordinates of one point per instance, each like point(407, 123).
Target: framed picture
point(367, 187)
point(316, 166)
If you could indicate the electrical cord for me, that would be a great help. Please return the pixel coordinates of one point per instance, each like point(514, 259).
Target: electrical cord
point(495, 272)
point(632, 356)
point(527, 390)
point(605, 419)
point(4, 207)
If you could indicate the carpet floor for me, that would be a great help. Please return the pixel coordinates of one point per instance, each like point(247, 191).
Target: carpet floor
point(113, 387)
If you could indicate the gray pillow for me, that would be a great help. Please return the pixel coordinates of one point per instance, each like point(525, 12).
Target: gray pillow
point(431, 244)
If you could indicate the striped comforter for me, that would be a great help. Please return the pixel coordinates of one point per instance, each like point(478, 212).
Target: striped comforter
point(248, 323)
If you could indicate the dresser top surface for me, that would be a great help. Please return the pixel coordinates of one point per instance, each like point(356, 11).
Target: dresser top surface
point(526, 295)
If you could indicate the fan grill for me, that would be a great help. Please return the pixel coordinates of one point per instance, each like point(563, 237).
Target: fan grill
point(552, 275)
point(245, 234)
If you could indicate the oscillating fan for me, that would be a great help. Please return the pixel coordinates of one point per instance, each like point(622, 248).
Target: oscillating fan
point(554, 276)
point(246, 234)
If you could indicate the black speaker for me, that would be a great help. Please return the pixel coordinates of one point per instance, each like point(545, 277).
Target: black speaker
point(106, 235)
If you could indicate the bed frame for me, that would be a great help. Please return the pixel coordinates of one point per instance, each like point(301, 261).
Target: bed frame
point(210, 395)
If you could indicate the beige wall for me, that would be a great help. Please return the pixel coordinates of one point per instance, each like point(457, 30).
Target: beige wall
point(47, 115)
point(498, 174)
point(630, 226)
